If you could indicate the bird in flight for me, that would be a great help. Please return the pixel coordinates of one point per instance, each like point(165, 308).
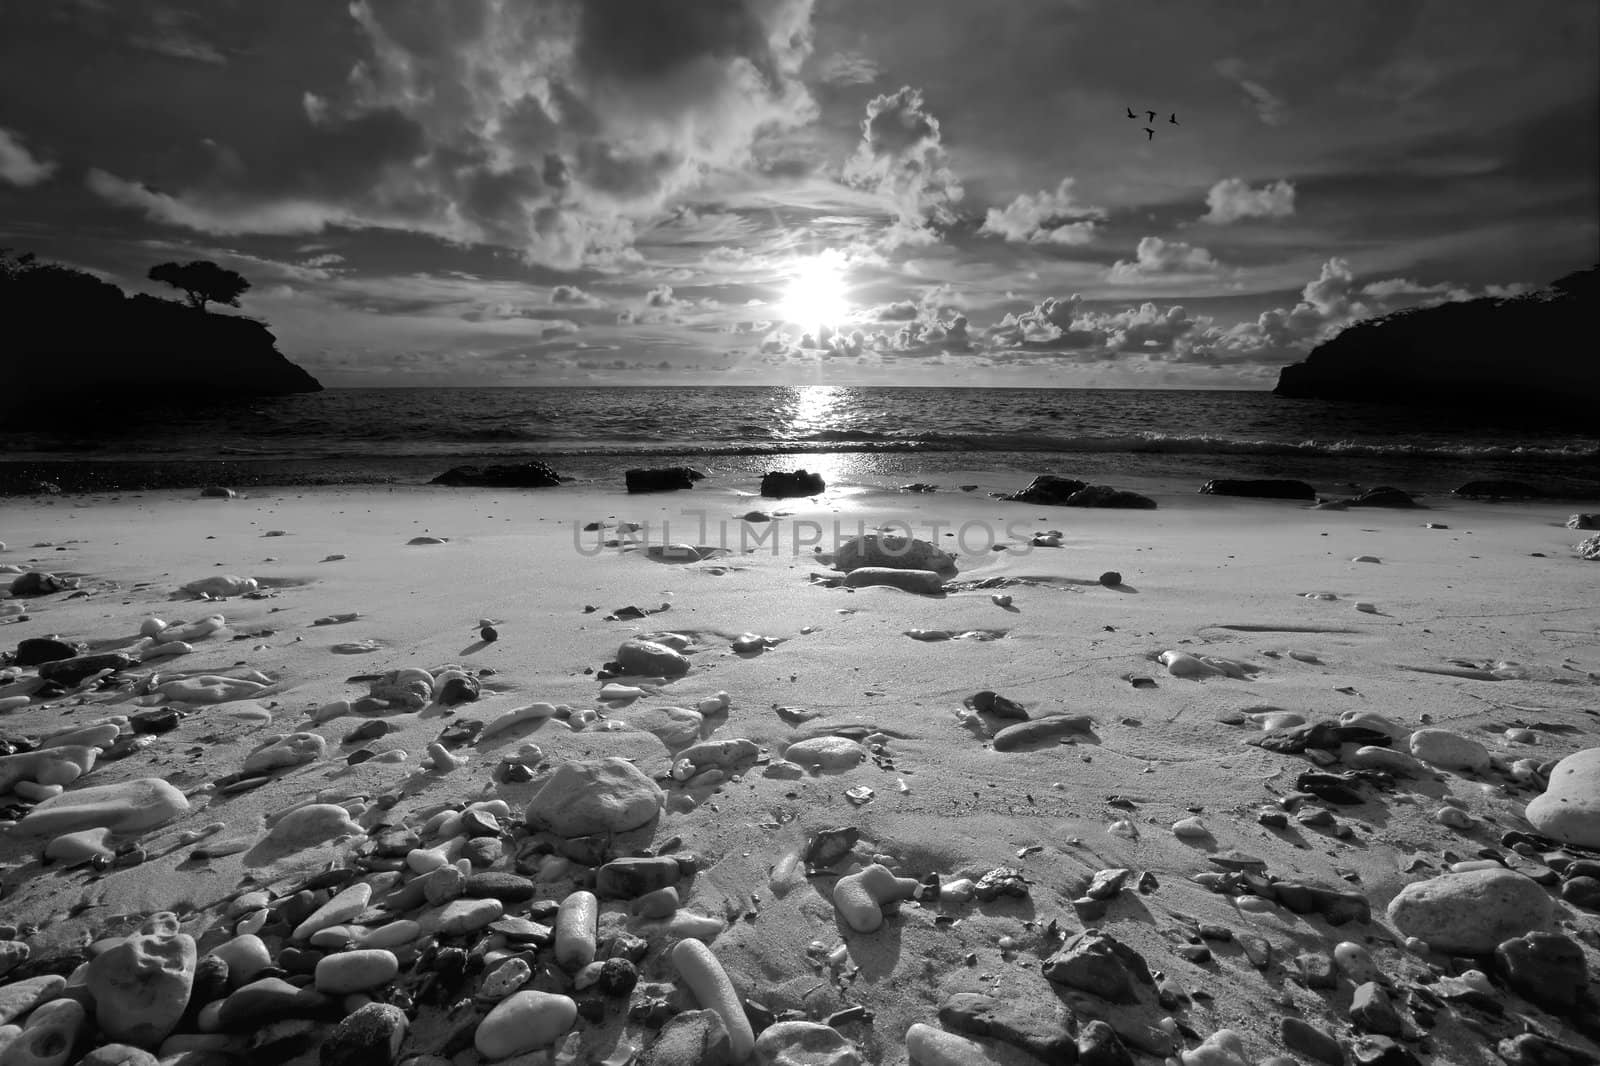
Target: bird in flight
point(1173, 119)
point(1151, 132)
point(1150, 115)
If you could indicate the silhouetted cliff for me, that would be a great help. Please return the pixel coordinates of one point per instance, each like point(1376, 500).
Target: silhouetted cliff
point(63, 331)
point(1526, 350)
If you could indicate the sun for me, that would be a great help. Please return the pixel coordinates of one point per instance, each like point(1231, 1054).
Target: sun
point(816, 295)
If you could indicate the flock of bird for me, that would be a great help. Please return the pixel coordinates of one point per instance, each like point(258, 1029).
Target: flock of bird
point(1150, 116)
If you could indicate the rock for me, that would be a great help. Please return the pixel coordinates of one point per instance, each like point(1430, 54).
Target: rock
point(921, 582)
point(20, 997)
point(1384, 496)
point(371, 1035)
point(663, 479)
point(1222, 1048)
point(495, 884)
point(38, 650)
point(296, 749)
point(1531, 1049)
point(804, 1044)
point(1047, 489)
point(310, 825)
point(776, 484)
point(1448, 750)
point(1310, 1041)
point(125, 807)
point(1096, 962)
point(13, 953)
point(529, 475)
point(49, 1036)
point(1355, 962)
point(1106, 496)
point(1545, 968)
point(1589, 548)
point(1111, 579)
point(1584, 520)
point(1099, 1045)
point(1372, 1011)
point(892, 551)
point(70, 672)
point(462, 916)
point(649, 659)
point(608, 795)
point(74, 849)
point(1582, 892)
point(1048, 727)
point(119, 1055)
point(266, 1000)
point(1264, 488)
point(38, 583)
point(676, 727)
point(246, 955)
point(826, 754)
point(141, 986)
point(1502, 490)
point(629, 878)
point(524, 1021)
point(927, 1046)
point(692, 1038)
point(356, 971)
point(1022, 1025)
point(1471, 912)
point(221, 586)
point(1569, 809)
point(861, 897)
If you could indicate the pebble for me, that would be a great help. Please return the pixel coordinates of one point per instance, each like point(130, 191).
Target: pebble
point(1355, 962)
point(1190, 829)
point(505, 979)
point(928, 1046)
point(1448, 750)
point(356, 971)
point(800, 1043)
point(826, 754)
point(1222, 1048)
point(523, 1022)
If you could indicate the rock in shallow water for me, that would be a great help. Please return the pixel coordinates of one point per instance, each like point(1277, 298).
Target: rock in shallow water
point(1470, 912)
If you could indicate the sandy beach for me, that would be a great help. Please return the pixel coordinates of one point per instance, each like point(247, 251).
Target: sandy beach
point(1473, 618)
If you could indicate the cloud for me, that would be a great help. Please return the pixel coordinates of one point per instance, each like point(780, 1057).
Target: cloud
point(547, 127)
point(18, 165)
point(1157, 257)
point(1044, 218)
point(1232, 199)
point(847, 68)
point(661, 296)
point(1270, 109)
point(571, 294)
point(902, 158)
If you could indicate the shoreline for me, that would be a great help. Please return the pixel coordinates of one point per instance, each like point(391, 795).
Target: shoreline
point(997, 472)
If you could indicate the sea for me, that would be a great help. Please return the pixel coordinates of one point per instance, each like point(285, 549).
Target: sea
point(876, 436)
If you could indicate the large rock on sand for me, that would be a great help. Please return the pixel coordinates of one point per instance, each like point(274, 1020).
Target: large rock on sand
point(599, 796)
point(1569, 810)
point(1472, 912)
point(141, 986)
point(126, 807)
point(892, 550)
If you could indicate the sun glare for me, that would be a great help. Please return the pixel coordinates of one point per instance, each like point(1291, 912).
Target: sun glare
point(816, 294)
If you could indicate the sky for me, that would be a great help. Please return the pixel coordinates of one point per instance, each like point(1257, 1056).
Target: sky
point(898, 192)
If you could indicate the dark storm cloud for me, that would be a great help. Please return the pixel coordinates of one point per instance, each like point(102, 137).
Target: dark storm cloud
point(546, 127)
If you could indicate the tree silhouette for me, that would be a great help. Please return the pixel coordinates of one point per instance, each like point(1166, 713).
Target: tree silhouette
point(202, 281)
